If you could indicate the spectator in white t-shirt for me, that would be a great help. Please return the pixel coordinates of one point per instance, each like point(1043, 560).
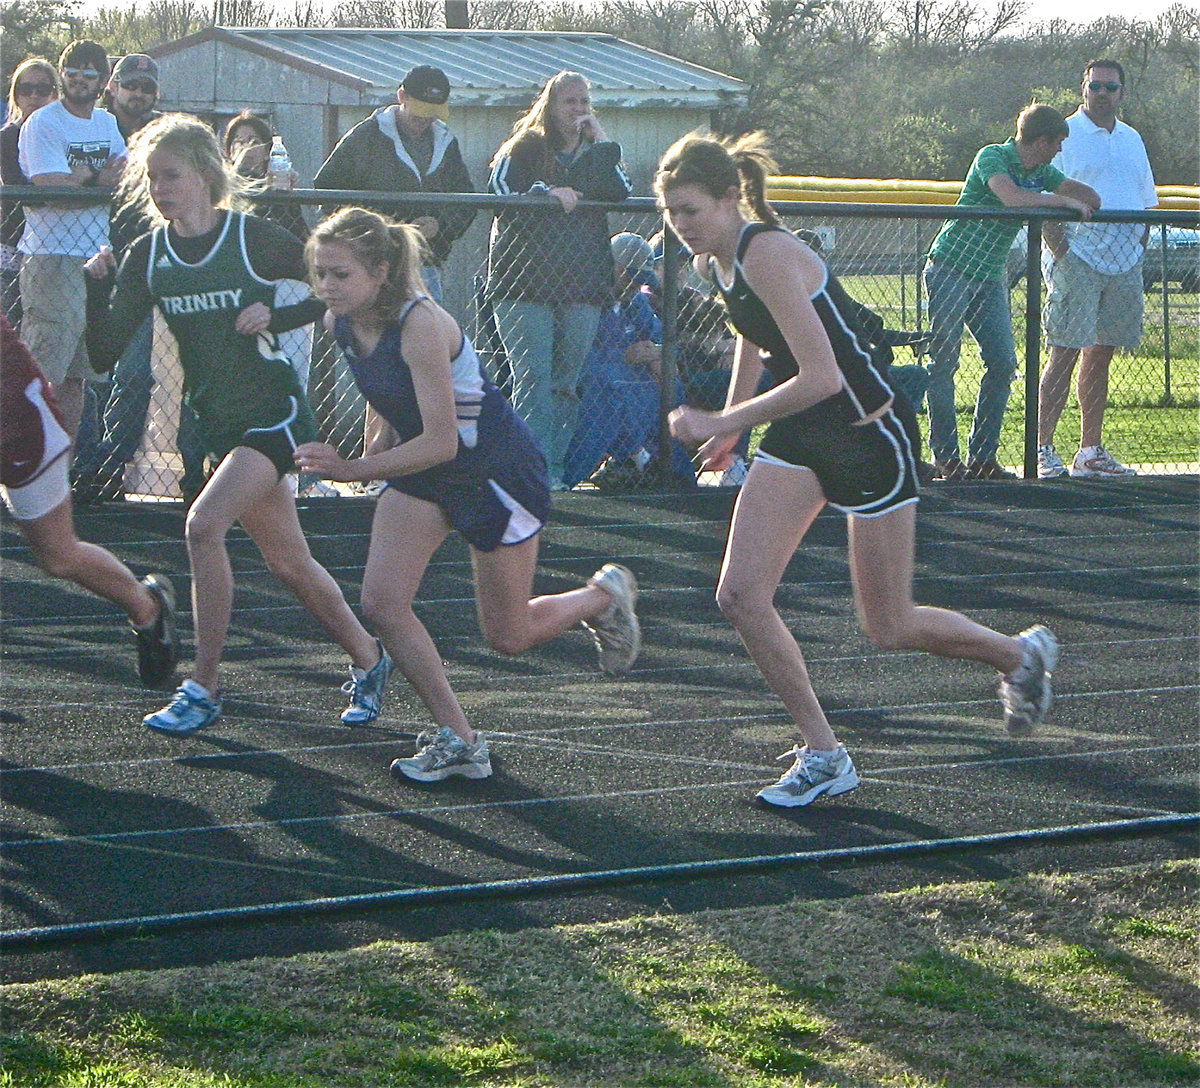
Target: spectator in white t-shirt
point(1093, 273)
point(66, 143)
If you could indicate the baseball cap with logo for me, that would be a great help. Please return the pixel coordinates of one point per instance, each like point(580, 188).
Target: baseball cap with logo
point(136, 66)
point(427, 91)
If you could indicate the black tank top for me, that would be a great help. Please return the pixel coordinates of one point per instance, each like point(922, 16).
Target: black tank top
point(862, 382)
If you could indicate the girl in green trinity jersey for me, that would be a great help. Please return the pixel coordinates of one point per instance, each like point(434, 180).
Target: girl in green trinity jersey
point(212, 271)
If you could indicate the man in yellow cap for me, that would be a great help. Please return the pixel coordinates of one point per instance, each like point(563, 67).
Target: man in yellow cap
point(409, 148)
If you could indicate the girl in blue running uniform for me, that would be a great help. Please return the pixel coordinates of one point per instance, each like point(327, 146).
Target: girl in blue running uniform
point(212, 273)
point(832, 438)
point(455, 456)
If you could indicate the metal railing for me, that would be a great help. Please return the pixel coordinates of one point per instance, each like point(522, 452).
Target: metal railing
point(878, 251)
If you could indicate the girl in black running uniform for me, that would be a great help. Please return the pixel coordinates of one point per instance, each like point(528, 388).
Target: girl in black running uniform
point(832, 438)
point(212, 272)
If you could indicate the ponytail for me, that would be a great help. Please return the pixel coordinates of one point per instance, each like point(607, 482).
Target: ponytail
point(717, 165)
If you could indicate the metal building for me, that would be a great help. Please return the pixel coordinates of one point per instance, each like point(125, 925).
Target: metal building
point(314, 84)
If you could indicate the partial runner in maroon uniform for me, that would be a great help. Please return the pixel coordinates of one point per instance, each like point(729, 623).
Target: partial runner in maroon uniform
point(34, 460)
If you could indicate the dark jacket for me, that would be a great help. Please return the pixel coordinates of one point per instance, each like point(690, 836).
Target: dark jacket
point(11, 213)
point(544, 254)
point(372, 156)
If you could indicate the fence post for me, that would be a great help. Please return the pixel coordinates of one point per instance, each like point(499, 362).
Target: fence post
point(1167, 399)
point(1033, 342)
point(670, 342)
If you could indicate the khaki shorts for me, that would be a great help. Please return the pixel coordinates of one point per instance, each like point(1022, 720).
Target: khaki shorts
point(54, 298)
point(1086, 307)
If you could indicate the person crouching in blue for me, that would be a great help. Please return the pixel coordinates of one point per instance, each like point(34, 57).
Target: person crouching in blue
point(617, 436)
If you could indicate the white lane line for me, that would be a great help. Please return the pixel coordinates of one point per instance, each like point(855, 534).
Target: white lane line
point(442, 811)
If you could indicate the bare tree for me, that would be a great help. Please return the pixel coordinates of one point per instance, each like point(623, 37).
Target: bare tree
point(243, 13)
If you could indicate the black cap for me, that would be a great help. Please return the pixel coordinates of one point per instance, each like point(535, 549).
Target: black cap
point(428, 91)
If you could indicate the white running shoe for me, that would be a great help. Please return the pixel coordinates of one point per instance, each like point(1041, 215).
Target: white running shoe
point(1050, 465)
point(443, 753)
point(1096, 463)
point(616, 631)
point(810, 776)
point(1026, 694)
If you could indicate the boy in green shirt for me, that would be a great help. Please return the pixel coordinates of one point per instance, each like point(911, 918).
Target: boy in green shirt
point(966, 284)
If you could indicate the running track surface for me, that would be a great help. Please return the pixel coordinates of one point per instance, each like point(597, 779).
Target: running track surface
point(280, 803)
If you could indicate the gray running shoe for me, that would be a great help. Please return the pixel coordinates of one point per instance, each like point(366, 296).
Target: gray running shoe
point(444, 753)
point(1026, 695)
point(810, 776)
point(366, 690)
point(192, 708)
point(158, 643)
point(616, 631)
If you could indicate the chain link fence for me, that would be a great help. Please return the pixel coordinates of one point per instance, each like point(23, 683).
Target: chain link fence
point(622, 357)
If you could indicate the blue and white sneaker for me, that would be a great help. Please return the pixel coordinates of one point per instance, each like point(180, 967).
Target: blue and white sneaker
point(366, 690)
point(810, 776)
point(193, 708)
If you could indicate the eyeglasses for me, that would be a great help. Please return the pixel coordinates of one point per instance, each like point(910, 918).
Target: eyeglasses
point(143, 86)
point(39, 89)
point(78, 73)
point(1097, 85)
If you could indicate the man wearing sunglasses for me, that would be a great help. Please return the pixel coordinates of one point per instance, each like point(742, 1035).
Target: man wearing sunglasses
point(69, 143)
point(1093, 273)
point(111, 429)
point(132, 92)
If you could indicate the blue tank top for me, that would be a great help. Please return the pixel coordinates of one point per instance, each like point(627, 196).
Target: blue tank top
point(488, 427)
point(862, 382)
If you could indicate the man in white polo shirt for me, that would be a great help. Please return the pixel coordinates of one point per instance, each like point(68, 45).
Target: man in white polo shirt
point(1093, 273)
point(66, 143)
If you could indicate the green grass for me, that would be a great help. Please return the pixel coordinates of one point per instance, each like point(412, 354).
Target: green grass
point(1153, 395)
point(1083, 980)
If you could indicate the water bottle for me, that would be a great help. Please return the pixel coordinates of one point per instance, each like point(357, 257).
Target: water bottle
point(279, 165)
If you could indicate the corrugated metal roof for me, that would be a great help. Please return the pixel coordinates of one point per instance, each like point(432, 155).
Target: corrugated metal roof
point(493, 68)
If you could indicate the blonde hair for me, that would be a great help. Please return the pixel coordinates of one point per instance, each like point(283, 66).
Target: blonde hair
point(717, 165)
point(193, 143)
point(33, 64)
point(536, 120)
point(373, 241)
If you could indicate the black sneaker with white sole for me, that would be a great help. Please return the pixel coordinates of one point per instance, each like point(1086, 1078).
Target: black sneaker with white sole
point(158, 642)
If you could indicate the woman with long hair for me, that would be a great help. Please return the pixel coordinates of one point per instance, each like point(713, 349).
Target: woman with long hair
point(832, 438)
point(212, 272)
point(455, 455)
point(34, 83)
point(549, 273)
point(247, 146)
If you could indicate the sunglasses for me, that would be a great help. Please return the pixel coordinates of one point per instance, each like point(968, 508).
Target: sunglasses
point(1096, 85)
point(143, 86)
point(39, 89)
point(84, 73)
